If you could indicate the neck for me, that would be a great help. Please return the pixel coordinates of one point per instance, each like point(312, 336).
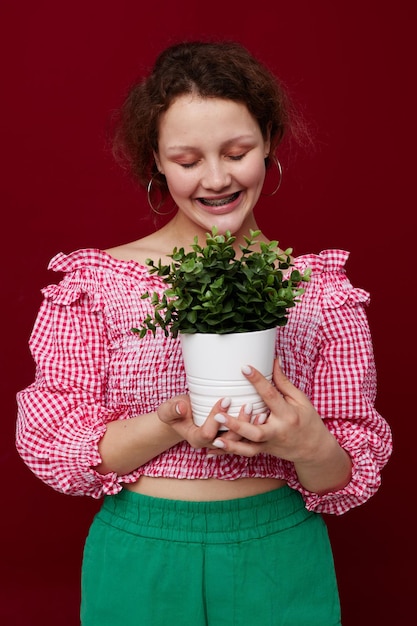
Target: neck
point(180, 233)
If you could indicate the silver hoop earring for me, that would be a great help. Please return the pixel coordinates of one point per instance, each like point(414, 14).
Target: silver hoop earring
point(279, 168)
point(156, 210)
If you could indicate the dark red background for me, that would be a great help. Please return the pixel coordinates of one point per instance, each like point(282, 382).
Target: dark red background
point(65, 67)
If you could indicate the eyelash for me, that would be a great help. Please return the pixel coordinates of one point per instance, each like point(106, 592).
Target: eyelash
point(238, 157)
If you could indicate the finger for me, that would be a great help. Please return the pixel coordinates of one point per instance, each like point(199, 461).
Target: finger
point(182, 408)
point(210, 427)
point(178, 408)
point(268, 392)
point(245, 415)
point(240, 447)
point(259, 419)
point(177, 412)
point(244, 430)
point(284, 385)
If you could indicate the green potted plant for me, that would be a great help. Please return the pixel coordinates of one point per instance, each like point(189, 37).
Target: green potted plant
point(216, 297)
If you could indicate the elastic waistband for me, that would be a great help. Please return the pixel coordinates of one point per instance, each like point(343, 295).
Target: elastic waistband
point(211, 522)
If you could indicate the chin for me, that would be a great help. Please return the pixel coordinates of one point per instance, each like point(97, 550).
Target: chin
point(226, 222)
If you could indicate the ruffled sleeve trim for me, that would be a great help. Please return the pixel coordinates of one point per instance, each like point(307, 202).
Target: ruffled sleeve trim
point(85, 272)
point(65, 295)
point(93, 257)
point(75, 453)
point(328, 268)
point(364, 483)
point(326, 261)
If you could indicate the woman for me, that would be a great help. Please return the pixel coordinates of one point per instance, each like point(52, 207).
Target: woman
point(200, 526)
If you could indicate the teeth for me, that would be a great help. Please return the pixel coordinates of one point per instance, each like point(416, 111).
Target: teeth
point(221, 201)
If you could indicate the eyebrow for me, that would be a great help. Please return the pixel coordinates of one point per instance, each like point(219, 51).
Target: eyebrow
point(240, 139)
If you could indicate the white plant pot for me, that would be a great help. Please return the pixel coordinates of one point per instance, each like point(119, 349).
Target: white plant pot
point(213, 365)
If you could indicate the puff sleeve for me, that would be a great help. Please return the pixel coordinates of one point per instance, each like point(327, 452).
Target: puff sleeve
point(344, 384)
point(62, 415)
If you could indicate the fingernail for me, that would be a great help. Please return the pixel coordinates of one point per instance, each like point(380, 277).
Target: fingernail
point(220, 418)
point(280, 361)
point(246, 369)
point(262, 418)
point(177, 409)
point(218, 443)
point(248, 408)
point(225, 403)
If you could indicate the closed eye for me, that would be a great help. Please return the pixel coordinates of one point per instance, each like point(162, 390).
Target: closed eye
point(232, 157)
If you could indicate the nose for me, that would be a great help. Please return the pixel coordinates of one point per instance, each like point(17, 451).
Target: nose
point(216, 176)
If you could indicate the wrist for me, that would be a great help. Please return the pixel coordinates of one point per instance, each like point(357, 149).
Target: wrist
point(328, 470)
point(165, 428)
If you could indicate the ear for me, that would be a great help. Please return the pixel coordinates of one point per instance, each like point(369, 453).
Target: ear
point(157, 161)
point(267, 140)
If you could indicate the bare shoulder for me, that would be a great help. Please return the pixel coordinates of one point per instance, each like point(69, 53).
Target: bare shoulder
point(149, 247)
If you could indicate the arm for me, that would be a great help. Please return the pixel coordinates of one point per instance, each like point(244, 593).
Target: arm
point(343, 395)
point(295, 432)
point(65, 433)
point(321, 464)
point(127, 444)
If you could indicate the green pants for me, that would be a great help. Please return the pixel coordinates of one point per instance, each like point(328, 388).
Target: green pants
point(262, 560)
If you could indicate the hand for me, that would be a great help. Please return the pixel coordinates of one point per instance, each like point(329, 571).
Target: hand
point(177, 413)
point(293, 430)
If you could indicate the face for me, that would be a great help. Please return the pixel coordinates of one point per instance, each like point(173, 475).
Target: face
point(212, 153)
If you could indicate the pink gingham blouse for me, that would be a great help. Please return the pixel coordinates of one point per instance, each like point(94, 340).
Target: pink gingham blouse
point(91, 369)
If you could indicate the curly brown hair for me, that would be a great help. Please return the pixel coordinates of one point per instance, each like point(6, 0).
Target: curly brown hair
point(208, 69)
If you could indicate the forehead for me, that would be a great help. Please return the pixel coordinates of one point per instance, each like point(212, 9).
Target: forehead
point(190, 115)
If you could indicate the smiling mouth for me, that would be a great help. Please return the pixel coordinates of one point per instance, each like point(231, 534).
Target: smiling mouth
point(216, 202)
